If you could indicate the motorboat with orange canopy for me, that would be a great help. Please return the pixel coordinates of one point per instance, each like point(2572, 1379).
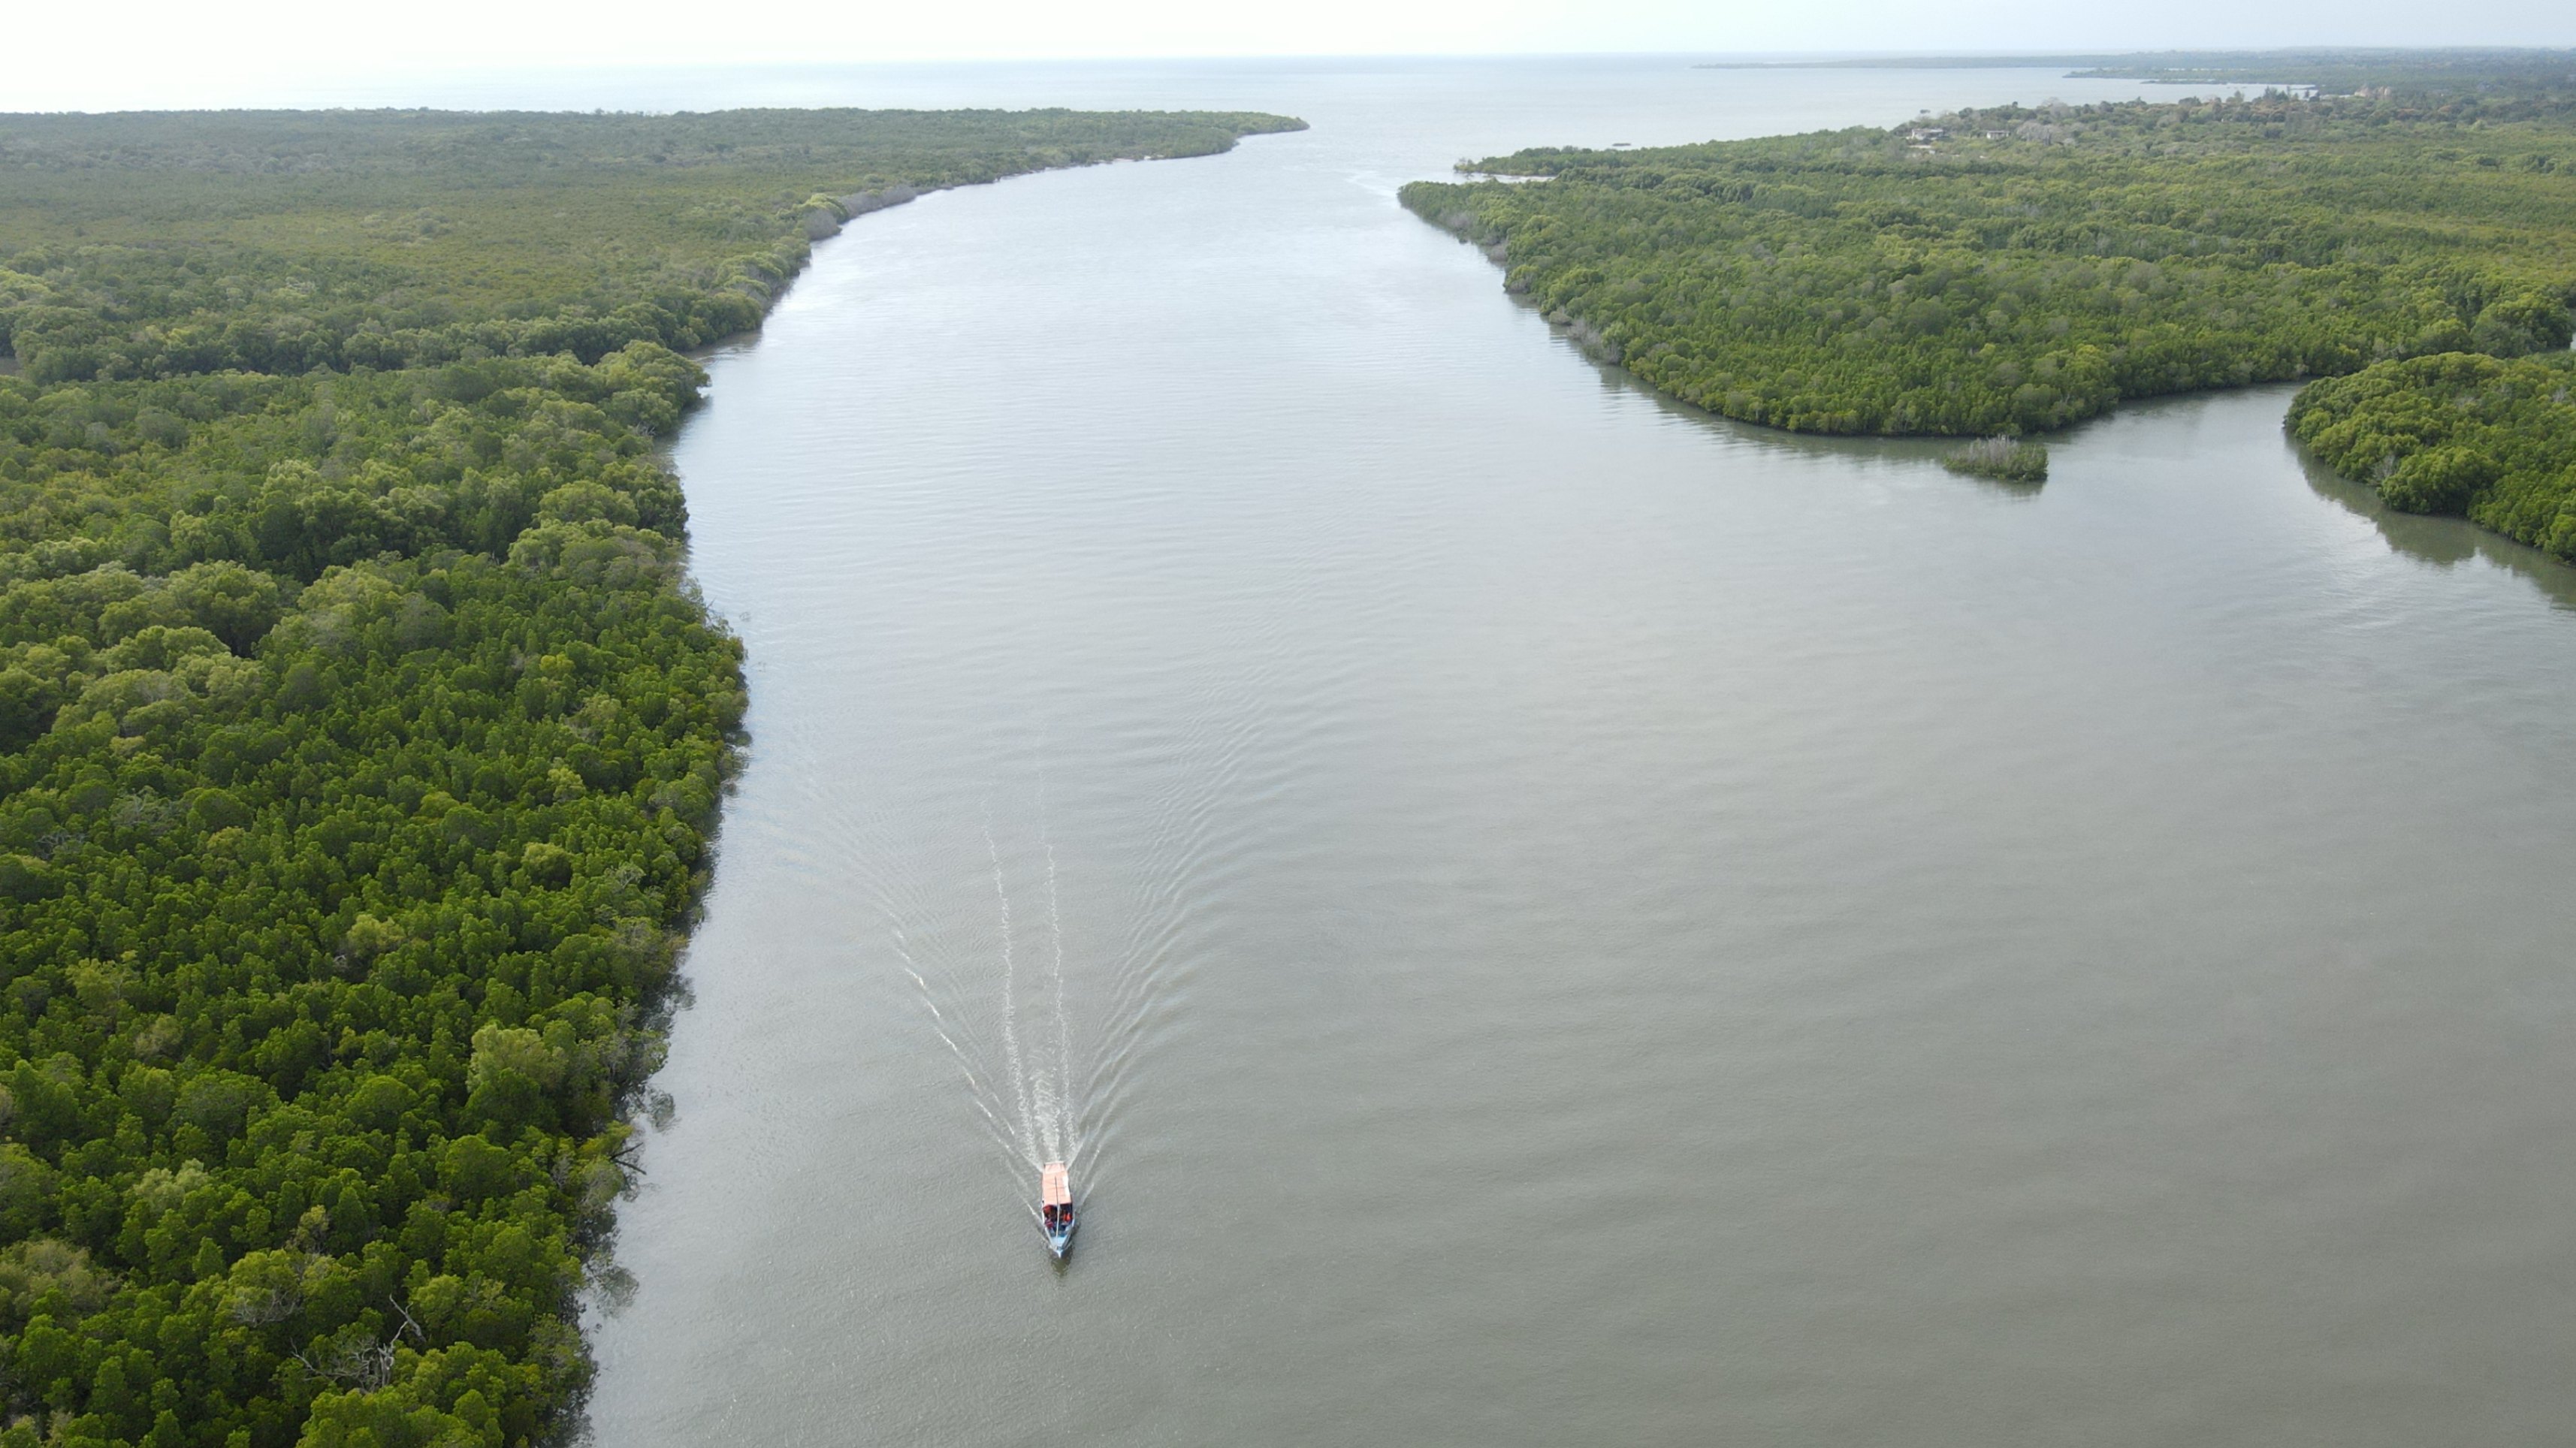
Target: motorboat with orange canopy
point(1055, 1206)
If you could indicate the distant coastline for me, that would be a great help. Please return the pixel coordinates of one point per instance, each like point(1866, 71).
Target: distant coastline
point(2334, 69)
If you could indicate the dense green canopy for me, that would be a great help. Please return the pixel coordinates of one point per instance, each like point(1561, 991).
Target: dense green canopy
point(154, 244)
point(2018, 269)
point(2490, 439)
point(359, 735)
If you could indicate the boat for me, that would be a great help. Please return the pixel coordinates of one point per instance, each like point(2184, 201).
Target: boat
point(1055, 1206)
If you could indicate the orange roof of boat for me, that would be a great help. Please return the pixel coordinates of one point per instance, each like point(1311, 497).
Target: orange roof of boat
point(1055, 1185)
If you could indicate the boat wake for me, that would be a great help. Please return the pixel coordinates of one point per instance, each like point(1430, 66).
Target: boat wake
point(1044, 1116)
point(1050, 979)
point(996, 994)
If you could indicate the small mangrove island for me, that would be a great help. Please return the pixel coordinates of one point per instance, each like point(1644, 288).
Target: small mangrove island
point(2005, 459)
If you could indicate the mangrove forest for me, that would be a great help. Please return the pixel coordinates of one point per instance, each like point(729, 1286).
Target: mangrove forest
point(2015, 269)
point(360, 735)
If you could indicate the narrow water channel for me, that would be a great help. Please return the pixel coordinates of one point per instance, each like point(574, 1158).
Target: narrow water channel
point(1577, 922)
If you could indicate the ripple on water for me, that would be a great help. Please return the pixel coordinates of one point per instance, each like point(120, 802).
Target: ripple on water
point(1580, 923)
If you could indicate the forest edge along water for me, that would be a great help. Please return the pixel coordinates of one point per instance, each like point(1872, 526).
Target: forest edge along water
point(2015, 268)
point(360, 736)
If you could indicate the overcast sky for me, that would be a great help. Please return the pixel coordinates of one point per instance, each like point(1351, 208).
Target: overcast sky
point(103, 54)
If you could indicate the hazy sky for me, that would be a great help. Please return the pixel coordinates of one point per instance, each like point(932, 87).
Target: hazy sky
point(86, 55)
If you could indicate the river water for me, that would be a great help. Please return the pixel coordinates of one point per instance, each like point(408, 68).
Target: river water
point(1548, 918)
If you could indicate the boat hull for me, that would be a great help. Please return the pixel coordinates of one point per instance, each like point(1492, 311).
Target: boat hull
point(1055, 1207)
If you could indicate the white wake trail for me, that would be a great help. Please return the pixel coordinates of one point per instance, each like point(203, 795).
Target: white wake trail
point(1020, 1092)
point(980, 1090)
point(1062, 1124)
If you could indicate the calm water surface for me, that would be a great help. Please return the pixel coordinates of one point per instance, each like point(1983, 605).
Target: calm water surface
point(1548, 918)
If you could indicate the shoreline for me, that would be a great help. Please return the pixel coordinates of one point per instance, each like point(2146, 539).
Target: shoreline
point(1835, 390)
